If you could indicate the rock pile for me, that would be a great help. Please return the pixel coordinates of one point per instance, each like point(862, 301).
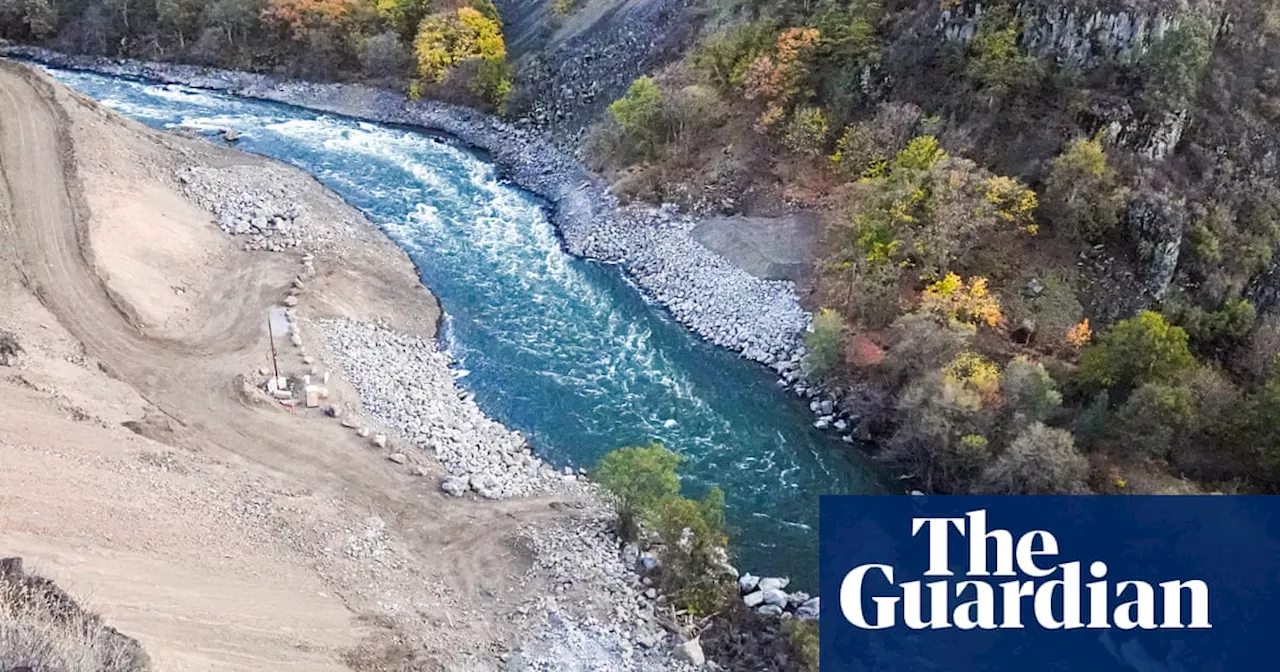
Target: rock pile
point(406, 383)
point(768, 598)
point(584, 553)
point(724, 304)
point(265, 211)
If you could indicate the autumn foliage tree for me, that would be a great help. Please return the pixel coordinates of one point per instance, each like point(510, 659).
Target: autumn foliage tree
point(448, 41)
point(778, 78)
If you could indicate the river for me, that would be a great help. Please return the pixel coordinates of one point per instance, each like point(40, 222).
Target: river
point(564, 350)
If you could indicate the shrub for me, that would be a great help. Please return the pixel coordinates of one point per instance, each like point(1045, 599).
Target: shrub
point(639, 115)
point(1082, 191)
point(969, 303)
point(1215, 333)
point(919, 344)
point(692, 535)
point(997, 64)
point(804, 639)
point(934, 417)
point(383, 56)
point(779, 78)
point(724, 56)
point(975, 373)
point(639, 478)
point(875, 141)
point(692, 112)
point(1030, 394)
point(1040, 461)
point(1260, 357)
point(825, 343)
point(806, 131)
point(1142, 349)
point(1147, 423)
point(42, 628)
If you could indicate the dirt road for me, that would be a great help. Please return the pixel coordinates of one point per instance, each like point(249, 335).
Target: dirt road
point(221, 531)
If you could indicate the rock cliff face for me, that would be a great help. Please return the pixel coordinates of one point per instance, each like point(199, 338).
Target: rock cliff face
point(1084, 33)
point(571, 68)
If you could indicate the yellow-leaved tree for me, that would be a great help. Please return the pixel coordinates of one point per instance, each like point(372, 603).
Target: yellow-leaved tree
point(447, 41)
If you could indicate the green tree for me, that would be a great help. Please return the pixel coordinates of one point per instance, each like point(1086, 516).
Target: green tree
point(1084, 198)
point(997, 64)
point(41, 17)
point(180, 17)
point(1142, 349)
point(1175, 64)
point(1030, 394)
point(640, 478)
point(639, 115)
point(234, 18)
point(402, 16)
point(1150, 420)
point(692, 536)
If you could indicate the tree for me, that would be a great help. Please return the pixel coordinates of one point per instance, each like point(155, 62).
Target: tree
point(825, 343)
point(41, 17)
point(1082, 191)
point(299, 17)
point(1040, 461)
point(1142, 349)
point(806, 131)
point(692, 536)
point(233, 17)
point(1174, 65)
point(997, 64)
point(780, 78)
point(446, 41)
point(953, 300)
point(1030, 394)
point(640, 478)
point(180, 17)
point(639, 115)
point(1152, 418)
point(402, 16)
point(382, 55)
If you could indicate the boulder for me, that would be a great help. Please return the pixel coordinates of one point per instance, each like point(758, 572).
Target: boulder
point(774, 597)
point(748, 583)
point(809, 610)
point(691, 653)
point(455, 485)
point(769, 610)
point(291, 301)
point(380, 441)
point(753, 599)
point(398, 458)
point(772, 583)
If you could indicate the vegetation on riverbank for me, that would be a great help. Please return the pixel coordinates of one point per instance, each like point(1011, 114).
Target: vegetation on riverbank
point(1040, 272)
point(688, 538)
point(453, 50)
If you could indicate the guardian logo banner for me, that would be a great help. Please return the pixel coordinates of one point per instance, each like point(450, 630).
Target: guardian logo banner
point(1042, 584)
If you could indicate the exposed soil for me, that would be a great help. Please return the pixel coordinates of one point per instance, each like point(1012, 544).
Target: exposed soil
point(141, 472)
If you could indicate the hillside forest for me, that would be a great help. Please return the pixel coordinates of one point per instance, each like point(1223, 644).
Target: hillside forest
point(1047, 261)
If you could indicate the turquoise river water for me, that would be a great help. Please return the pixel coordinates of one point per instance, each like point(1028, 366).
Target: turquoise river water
point(564, 350)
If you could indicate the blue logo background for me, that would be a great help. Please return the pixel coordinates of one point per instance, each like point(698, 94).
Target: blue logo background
point(1231, 543)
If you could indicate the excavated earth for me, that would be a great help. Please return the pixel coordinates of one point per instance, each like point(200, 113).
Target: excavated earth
point(144, 470)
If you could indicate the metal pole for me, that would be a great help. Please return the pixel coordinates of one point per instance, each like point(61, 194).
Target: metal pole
point(272, 337)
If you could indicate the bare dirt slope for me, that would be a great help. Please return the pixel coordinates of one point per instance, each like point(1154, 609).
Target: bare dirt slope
point(140, 472)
